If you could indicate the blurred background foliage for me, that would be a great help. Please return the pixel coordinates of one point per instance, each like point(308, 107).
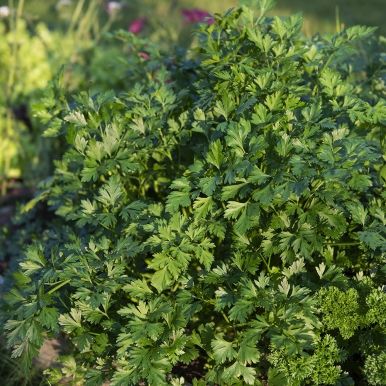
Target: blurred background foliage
point(320, 15)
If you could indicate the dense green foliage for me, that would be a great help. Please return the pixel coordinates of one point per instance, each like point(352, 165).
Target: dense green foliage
point(40, 36)
point(223, 220)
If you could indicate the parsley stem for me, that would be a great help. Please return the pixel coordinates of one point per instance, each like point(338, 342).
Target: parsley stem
point(225, 317)
point(267, 263)
point(343, 244)
point(60, 285)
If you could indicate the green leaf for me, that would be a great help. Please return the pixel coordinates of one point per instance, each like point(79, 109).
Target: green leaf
point(35, 260)
point(76, 117)
point(208, 185)
point(223, 350)
point(122, 377)
point(215, 154)
point(72, 321)
point(257, 176)
point(49, 318)
point(373, 239)
point(202, 206)
point(234, 209)
point(111, 192)
point(248, 353)
point(176, 200)
point(138, 288)
point(161, 279)
point(276, 378)
point(358, 212)
point(231, 191)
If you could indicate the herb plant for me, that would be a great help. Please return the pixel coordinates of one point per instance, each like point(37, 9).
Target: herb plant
point(31, 55)
point(221, 222)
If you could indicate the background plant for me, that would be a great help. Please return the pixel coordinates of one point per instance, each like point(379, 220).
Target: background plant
point(31, 57)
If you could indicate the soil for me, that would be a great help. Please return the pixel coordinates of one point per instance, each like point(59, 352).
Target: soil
point(48, 354)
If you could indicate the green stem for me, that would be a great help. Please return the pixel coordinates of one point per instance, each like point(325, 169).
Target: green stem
point(76, 15)
point(343, 244)
point(19, 11)
point(225, 317)
point(60, 285)
point(267, 263)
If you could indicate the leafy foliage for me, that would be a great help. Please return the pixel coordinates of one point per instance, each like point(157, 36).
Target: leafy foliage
point(225, 214)
point(30, 58)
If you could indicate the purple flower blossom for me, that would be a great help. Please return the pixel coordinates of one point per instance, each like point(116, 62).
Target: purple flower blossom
point(195, 15)
point(137, 25)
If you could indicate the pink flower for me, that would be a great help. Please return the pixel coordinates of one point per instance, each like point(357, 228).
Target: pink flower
point(137, 25)
point(195, 15)
point(144, 55)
